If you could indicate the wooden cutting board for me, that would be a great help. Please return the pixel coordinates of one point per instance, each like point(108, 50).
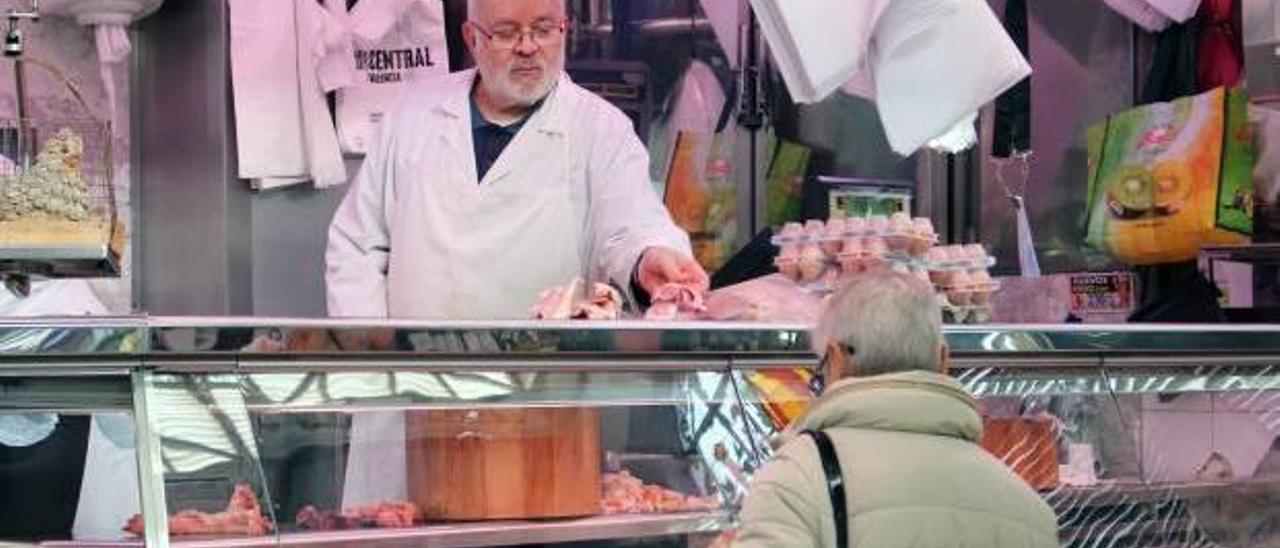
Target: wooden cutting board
point(469, 465)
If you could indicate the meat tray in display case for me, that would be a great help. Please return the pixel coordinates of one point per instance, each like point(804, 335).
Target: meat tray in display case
point(246, 433)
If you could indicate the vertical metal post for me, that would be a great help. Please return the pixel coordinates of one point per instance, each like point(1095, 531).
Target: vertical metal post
point(24, 124)
point(150, 464)
point(751, 116)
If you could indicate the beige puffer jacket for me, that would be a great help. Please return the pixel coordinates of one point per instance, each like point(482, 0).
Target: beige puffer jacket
point(914, 473)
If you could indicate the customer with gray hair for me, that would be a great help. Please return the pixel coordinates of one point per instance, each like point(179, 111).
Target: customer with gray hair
point(888, 456)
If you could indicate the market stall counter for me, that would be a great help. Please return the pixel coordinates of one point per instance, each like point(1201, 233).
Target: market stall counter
point(265, 432)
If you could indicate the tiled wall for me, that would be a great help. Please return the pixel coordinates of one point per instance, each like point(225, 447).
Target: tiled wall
point(1179, 435)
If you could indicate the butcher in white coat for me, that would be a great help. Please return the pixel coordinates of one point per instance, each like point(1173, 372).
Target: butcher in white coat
point(484, 188)
point(485, 185)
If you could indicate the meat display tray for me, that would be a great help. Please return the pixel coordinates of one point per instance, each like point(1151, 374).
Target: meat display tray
point(465, 535)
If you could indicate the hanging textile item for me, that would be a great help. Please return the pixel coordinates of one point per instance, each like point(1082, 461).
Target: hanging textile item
point(1173, 66)
point(1011, 141)
point(1178, 10)
point(1221, 58)
point(284, 134)
point(382, 46)
point(1140, 13)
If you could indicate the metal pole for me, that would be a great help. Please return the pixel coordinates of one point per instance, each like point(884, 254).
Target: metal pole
point(751, 117)
point(24, 124)
point(150, 463)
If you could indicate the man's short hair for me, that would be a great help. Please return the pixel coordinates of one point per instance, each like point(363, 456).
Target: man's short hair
point(890, 320)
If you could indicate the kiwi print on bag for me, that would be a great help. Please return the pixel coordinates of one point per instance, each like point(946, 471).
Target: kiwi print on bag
point(1165, 179)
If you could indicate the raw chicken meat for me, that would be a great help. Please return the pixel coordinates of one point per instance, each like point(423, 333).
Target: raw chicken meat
point(676, 301)
point(558, 303)
point(243, 517)
point(386, 515)
point(626, 494)
point(771, 298)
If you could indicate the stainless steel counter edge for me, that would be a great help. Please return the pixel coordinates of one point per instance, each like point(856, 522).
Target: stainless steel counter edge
point(467, 534)
point(313, 342)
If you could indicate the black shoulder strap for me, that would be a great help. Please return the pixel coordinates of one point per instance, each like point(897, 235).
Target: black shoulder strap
point(835, 484)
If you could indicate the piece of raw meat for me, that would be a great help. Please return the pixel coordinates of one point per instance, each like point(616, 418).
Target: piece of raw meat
point(386, 515)
point(312, 519)
point(626, 494)
point(675, 301)
point(563, 303)
point(771, 298)
point(243, 517)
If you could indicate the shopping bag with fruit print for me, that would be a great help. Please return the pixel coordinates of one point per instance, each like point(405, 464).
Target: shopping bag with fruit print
point(1166, 179)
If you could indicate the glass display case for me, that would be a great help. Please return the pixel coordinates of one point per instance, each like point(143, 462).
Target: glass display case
point(290, 432)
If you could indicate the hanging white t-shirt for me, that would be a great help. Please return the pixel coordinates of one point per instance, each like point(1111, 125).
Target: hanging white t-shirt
point(386, 45)
point(284, 134)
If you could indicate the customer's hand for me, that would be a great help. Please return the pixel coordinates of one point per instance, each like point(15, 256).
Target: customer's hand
point(660, 266)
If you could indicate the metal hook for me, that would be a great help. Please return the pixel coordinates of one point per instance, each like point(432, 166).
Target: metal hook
point(1023, 159)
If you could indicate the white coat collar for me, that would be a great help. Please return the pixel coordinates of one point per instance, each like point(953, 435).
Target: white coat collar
point(551, 118)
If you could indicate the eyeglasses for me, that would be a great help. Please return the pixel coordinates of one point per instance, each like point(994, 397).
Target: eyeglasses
point(818, 375)
point(543, 34)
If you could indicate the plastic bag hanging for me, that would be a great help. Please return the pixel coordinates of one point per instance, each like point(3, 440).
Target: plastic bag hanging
point(1012, 139)
point(1028, 263)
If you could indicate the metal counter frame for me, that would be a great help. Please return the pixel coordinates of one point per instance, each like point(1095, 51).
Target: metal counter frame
point(123, 356)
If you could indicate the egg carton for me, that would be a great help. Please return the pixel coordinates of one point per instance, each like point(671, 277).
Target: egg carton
point(975, 294)
point(886, 234)
point(985, 263)
point(833, 275)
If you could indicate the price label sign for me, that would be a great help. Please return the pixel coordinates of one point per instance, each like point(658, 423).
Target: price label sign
point(1098, 294)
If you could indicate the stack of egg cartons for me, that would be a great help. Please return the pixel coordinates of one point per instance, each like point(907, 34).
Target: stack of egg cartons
point(963, 279)
point(821, 254)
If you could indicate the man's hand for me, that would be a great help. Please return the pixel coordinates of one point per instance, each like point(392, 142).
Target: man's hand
point(660, 266)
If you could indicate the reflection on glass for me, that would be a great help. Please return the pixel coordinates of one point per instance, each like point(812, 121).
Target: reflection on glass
point(213, 481)
point(392, 453)
point(66, 476)
point(1143, 459)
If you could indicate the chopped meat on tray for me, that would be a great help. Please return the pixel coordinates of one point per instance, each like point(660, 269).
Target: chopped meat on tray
point(626, 494)
point(243, 517)
point(383, 515)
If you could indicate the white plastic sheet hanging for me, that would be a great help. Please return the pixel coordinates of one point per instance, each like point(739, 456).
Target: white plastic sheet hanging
point(959, 139)
point(935, 64)
point(818, 45)
point(928, 64)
